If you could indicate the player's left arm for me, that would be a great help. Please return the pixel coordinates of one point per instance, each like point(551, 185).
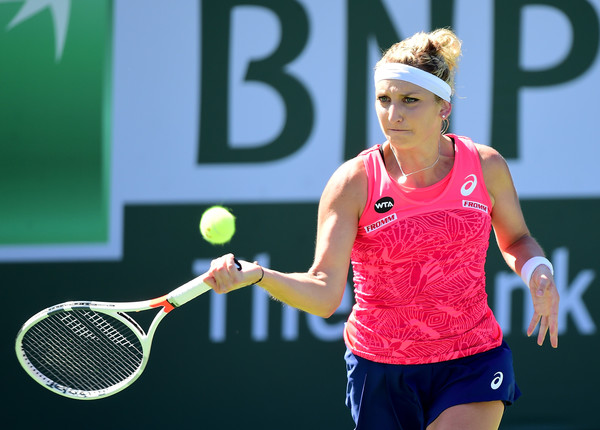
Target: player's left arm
point(517, 245)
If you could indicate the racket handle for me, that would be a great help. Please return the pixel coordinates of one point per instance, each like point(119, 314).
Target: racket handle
point(188, 291)
point(192, 289)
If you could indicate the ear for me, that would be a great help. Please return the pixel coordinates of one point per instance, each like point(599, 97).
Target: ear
point(445, 109)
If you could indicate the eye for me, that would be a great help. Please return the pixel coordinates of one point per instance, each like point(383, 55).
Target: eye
point(409, 100)
point(383, 99)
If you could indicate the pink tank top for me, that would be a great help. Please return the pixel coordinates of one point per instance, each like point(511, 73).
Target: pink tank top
point(418, 263)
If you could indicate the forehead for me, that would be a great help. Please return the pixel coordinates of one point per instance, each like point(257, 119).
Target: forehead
point(394, 86)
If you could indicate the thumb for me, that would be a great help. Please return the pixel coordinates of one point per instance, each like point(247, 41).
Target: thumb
point(211, 281)
point(542, 285)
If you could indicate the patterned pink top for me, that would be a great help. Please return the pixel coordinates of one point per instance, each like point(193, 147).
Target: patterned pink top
point(418, 263)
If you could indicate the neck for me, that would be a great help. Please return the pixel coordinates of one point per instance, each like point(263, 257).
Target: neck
point(423, 164)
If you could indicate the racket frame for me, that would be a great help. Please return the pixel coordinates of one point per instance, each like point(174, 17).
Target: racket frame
point(119, 311)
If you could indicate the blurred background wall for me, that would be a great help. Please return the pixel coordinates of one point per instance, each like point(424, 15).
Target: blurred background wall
point(122, 120)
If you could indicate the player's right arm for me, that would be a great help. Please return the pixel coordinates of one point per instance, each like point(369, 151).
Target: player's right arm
point(318, 291)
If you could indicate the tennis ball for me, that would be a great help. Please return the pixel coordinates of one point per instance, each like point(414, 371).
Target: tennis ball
point(217, 225)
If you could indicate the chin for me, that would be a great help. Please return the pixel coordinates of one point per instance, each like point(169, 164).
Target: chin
point(400, 138)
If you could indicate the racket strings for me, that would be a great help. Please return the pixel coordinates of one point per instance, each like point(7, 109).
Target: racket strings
point(83, 350)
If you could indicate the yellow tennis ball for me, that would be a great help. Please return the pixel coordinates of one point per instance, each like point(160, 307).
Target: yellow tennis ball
point(217, 225)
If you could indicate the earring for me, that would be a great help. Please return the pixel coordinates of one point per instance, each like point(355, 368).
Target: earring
point(445, 125)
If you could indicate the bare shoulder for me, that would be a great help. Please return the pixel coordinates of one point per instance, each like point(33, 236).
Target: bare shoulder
point(493, 164)
point(350, 173)
point(489, 155)
point(347, 186)
point(497, 177)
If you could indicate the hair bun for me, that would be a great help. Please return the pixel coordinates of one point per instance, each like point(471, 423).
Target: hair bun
point(448, 46)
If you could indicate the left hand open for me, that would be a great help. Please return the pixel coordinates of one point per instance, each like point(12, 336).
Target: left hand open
point(545, 305)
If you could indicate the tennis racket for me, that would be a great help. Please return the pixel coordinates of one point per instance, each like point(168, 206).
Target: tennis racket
point(91, 350)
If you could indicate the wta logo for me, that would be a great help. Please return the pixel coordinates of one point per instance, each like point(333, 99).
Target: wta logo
point(383, 205)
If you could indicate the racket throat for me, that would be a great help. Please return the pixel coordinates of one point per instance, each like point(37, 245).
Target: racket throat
point(164, 302)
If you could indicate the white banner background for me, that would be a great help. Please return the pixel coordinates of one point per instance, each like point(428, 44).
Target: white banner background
point(156, 93)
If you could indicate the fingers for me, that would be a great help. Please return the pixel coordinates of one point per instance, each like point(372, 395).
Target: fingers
point(547, 324)
point(553, 325)
point(224, 274)
point(533, 324)
point(543, 331)
point(542, 286)
point(545, 304)
point(227, 274)
point(554, 334)
point(211, 282)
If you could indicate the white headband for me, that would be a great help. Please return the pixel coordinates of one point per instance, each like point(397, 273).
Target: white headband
point(404, 72)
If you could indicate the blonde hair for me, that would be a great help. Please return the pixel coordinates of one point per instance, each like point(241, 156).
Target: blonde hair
point(437, 52)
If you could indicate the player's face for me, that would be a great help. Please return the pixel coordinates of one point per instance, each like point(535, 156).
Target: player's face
point(408, 114)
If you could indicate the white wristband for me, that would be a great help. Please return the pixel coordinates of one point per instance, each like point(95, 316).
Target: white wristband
point(532, 264)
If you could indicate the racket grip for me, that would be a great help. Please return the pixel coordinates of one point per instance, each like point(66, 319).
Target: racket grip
point(188, 291)
point(192, 289)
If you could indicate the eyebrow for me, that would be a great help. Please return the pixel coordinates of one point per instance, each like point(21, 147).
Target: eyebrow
point(409, 94)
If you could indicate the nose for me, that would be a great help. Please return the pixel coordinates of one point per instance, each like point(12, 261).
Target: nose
point(395, 113)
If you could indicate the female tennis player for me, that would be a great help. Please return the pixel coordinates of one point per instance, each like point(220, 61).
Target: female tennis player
point(413, 216)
